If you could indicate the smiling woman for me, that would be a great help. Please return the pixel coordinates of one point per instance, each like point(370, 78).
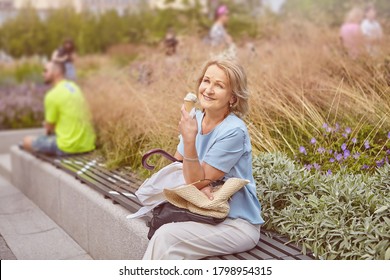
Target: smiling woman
point(214, 92)
point(215, 145)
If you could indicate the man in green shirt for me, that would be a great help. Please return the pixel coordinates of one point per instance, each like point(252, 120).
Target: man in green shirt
point(67, 120)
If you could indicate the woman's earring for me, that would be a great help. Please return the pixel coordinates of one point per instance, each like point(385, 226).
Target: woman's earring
point(231, 105)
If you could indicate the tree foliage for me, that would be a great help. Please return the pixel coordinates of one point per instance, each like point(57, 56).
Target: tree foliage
point(29, 34)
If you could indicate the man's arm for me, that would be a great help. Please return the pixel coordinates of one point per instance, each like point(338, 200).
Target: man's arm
point(49, 128)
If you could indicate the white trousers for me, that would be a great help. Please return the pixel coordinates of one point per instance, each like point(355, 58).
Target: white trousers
point(191, 240)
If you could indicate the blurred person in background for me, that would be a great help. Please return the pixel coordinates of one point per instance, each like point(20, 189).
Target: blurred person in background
point(372, 31)
point(170, 42)
point(351, 34)
point(218, 36)
point(66, 55)
point(67, 123)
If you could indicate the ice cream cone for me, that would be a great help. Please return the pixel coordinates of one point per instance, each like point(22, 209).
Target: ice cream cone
point(189, 105)
point(189, 101)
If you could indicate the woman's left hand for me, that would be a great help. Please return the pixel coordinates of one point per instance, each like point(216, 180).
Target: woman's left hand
point(188, 126)
point(208, 190)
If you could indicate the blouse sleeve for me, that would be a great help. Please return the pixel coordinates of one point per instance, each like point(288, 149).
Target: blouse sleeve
point(226, 150)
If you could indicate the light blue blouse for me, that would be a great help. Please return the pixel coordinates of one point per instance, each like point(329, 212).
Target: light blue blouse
point(228, 148)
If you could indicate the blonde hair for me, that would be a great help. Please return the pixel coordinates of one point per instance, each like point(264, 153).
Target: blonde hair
point(237, 83)
point(355, 15)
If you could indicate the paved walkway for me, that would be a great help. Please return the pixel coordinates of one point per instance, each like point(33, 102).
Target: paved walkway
point(27, 233)
point(5, 251)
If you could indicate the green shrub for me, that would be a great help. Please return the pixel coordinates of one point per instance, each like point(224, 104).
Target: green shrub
point(331, 12)
point(339, 216)
point(27, 34)
point(21, 72)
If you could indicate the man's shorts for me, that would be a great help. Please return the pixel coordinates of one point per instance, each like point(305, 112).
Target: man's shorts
point(47, 144)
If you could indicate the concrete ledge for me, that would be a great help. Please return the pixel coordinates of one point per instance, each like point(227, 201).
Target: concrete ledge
point(96, 224)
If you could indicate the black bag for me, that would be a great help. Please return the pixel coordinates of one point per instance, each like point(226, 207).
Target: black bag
point(168, 213)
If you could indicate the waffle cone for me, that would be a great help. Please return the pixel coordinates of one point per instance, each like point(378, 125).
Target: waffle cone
point(188, 105)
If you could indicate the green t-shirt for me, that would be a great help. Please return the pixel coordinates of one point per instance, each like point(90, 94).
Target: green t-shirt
point(65, 107)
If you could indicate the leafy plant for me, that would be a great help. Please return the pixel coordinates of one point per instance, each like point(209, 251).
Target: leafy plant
point(338, 216)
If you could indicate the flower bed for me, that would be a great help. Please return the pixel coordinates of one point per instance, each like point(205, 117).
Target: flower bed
point(21, 106)
point(337, 216)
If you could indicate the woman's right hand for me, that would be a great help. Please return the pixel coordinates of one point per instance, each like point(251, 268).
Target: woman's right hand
point(188, 126)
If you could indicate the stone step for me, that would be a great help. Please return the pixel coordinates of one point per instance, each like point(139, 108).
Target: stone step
point(27, 233)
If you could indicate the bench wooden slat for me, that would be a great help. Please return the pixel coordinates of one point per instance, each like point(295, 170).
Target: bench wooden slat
point(263, 247)
point(303, 257)
point(134, 181)
point(117, 184)
point(90, 179)
point(279, 245)
point(104, 178)
point(127, 184)
point(246, 256)
point(260, 255)
point(229, 257)
point(288, 258)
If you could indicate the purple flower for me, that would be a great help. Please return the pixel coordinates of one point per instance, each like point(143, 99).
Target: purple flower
point(343, 147)
point(328, 129)
point(302, 150)
point(348, 130)
point(313, 141)
point(354, 140)
point(339, 157)
point(367, 144)
point(329, 172)
point(325, 125)
point(308, 166)
point(330, 152)
point(388, 135)
point(316, 166)
point(331, 160)
point(321, 150)
point(388, 152)
point(356, 156)
point(337, 127)
point(380, 163)
point(345, 135)
point(347, 153)
point(365, 166)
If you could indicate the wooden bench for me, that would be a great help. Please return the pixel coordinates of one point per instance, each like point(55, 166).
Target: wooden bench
point(120, 186)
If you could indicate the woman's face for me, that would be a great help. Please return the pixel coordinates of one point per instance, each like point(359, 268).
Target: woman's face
point(224, 18)
point(371, 14)
point(214, 91)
